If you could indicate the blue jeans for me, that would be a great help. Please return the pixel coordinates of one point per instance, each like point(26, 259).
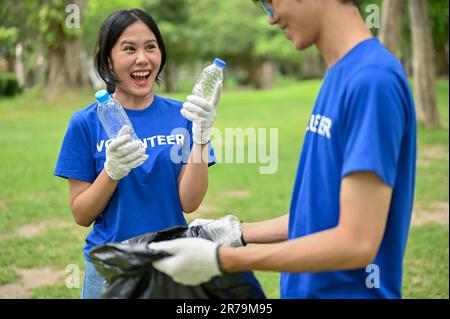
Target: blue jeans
point(93, 283)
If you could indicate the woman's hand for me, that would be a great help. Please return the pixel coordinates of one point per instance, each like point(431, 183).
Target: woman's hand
point(202, 114)
point(122, 155)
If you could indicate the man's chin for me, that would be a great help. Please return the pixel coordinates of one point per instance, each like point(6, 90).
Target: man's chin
point(301, 46)
point(298, 45)
point(296, 42)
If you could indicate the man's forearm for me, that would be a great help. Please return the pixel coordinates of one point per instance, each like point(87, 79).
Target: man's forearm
point(333, 249)
point(353, 243)
point(268, 231)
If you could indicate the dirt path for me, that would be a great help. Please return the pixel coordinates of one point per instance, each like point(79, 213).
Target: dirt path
point(35, 229)
point(36, 277)
point(427, 155)
point(236, 193)
point(436, 212)
point(212, 208)
point(31, 278)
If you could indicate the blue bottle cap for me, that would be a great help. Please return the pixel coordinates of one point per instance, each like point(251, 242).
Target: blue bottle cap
point(220, 63)
point(102, 96)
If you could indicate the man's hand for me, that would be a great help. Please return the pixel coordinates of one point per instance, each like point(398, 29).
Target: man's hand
point(122, 155)
point(202, 114)
point(223, 231)
point(194, 260)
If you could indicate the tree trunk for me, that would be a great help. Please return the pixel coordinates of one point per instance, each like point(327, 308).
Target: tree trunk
point(288, 68)
point(77, 72)
point(170, 76)
point(38, 73)
point(19, 67)
point(312, 66)
point(66, 58)
point(423, 66)
point(442, 62)
point(252, 69)
point(267, 74)
point(9, 58)
point(391, 24)
point(406, 60)
point(56, 73)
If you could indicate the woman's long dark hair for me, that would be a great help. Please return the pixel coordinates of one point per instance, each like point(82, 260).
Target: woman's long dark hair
point(110, 31)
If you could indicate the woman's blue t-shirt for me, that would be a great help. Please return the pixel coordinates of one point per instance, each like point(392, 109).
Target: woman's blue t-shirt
point(147, 199)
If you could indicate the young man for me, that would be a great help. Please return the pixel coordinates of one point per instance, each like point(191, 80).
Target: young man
point(353, 195)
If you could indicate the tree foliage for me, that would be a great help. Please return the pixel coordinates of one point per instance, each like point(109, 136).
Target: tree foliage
point(195, 31)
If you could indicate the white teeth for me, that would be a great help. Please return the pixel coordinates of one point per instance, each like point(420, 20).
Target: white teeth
point(140, 73)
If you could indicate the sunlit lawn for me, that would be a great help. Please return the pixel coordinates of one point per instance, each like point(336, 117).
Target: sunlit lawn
point(31, 130)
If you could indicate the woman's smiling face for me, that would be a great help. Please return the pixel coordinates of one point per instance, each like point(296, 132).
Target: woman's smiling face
point(135, 60)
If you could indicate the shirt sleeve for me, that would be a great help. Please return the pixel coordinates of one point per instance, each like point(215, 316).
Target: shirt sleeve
point(187, 152)
point(374, 124)
point(75, 158)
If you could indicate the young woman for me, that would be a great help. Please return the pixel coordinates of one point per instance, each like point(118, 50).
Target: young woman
point(105, 186)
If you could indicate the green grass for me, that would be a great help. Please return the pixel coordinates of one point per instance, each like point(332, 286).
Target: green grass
point(32, 128)
point(55, 247)
point(58, 291)
point(426, 263)
point(8, 276)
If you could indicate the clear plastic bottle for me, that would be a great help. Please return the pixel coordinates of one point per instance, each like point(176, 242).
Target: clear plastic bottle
point(207, 82)
point(112, 115)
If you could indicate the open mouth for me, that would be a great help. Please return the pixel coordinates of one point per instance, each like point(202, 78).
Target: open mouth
point(140, 77)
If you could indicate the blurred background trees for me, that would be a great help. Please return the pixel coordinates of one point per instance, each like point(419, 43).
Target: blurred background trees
point(50, 43)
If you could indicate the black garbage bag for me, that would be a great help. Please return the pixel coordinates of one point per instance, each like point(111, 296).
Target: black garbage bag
point(127, 268)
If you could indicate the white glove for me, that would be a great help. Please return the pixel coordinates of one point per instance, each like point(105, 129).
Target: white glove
point(223, 231)
point(122, 155)
point(194, 260)
point(202, 114)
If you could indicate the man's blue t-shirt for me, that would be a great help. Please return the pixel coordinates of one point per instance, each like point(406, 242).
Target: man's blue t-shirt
point(147, 199)
point(363, 120)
